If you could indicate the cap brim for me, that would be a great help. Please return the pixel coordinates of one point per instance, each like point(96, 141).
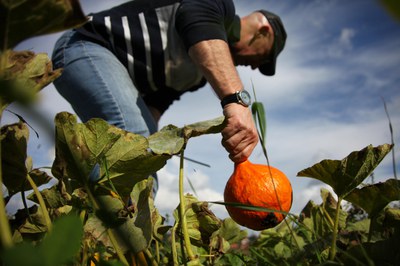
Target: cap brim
point(268, 69)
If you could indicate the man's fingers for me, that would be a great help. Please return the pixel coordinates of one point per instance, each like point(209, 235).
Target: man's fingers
point(239, 146)
point(236, 143)
point(241, 156)
point(239, 137)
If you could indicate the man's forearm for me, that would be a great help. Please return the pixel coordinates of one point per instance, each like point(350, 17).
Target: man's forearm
point(214, 59)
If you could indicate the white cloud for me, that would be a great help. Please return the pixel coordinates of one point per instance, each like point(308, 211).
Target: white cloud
point(346, 37)
point(343, 44)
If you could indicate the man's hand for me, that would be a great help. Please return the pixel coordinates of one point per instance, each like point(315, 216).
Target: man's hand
point(239, 137)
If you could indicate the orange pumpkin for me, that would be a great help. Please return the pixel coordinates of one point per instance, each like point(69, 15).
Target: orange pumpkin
point(258, 185)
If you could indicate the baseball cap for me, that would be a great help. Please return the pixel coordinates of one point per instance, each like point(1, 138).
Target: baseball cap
point(268, 68)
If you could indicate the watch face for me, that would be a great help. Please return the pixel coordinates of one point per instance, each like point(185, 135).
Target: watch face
point(245, 97)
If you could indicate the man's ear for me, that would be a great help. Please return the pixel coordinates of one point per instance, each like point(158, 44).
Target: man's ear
point(264, 30)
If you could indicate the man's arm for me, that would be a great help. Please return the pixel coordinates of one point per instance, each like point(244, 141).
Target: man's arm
point(213, 57)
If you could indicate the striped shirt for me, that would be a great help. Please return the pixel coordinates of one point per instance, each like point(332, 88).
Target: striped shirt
point(151, 39)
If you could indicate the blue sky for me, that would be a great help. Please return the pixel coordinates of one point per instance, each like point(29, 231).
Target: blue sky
point(340, 60)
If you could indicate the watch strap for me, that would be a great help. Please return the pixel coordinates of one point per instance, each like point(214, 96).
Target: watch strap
point(233, 98)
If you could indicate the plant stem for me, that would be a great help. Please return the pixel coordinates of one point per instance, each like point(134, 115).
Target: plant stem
point(372, 221)
point(6, 237)
point(332, 252)
point(151, 257)
point(114, 242)
point(157, 251)
point(325, 214)
point(173, 245)
point(82, 216)
point(110, 233)
point(41, 203)
point(182, 211)
point(391, 138)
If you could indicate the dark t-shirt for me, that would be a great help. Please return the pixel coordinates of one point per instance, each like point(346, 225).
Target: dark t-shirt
point(151, 39)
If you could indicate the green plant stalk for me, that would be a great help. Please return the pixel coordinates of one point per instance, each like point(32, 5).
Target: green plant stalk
point(41, 203)
point(113, 189)
point(182, 211)
point(314, 237)
point(332, 252)
point(157, 251)
point(151, 257)
point(262, 258)
point(6, 237)
point(114, 242)
point(110, 233)
point(25, 205)
point(327, 216)
point(371, 228)
point(82, 216)
point(391, 138)
point(84, 258)
point(210, 256)
point(173, 245)
point(367, 257)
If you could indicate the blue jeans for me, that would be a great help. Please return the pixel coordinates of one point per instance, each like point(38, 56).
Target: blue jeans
point(97, 85)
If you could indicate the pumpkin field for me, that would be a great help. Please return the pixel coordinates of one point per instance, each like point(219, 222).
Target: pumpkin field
point(101, 211)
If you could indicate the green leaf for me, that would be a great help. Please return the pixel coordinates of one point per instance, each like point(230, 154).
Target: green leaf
point(229, 233)
point(233, 259)
point(361, 227)
point(329, 206)
point(64, 241)
point(23, 19)
point(257, 108)
point(320, 218)
point(170, 140)
point(345, 175)
point(57, 248)
point(95, 231)
point(132, 225)
point(212, 126)
point(373, 198)
point(79, 147)
point(23, 254)
point(275, 247)
point(30, 226)
point(384, 252)
point(392, 217)
point(24, 74)
point(201, 221)
point(39, 177)
point(145, 216)
point(133, 229)
point(53, 197)
point(14, 139)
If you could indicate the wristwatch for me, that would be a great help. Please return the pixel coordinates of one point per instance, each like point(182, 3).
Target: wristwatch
point(242, 97)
